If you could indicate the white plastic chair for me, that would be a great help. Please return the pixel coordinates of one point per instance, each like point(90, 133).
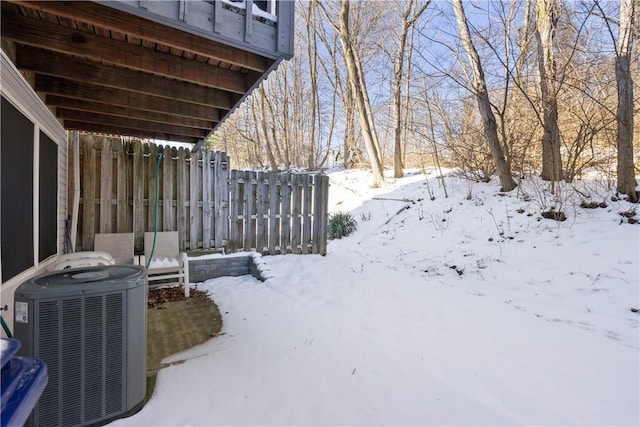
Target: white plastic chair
point(167, 262)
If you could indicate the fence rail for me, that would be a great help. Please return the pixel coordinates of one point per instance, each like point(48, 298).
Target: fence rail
point(197, 194)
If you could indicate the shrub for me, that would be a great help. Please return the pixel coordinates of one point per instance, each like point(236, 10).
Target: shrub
point(341, 224)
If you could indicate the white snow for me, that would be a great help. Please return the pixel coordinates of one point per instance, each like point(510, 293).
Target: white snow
point(163, 263)
point(466, 310)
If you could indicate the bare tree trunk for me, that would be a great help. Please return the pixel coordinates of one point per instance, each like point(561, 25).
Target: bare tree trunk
point(407, 98)
point(354, 76)
point(313, 80)
point(263, 121)
point(625, 171)
point(285, 122)
point(349, 128)
point(398, 70)
point(484, 105)
point(266, 98)
point(546, 23)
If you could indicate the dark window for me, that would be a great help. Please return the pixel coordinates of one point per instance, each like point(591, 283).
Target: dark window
point(16, 200)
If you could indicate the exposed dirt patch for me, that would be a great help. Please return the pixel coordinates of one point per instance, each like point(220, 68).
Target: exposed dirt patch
point(553, 214)
point(175, 324)
point(630, 215)
point(593, 205)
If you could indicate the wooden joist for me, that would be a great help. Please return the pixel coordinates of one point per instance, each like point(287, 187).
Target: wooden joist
point(103, 16)
point(63, 66)
point(37, 33)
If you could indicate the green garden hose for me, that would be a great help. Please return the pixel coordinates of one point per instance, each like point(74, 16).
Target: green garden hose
point(155, 214)
point(5, 328)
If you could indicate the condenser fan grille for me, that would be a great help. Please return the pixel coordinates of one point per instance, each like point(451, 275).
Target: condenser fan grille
point(80, 340)
point(78, 276)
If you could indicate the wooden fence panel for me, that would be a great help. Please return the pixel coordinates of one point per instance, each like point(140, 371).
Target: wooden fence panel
point(210, 205)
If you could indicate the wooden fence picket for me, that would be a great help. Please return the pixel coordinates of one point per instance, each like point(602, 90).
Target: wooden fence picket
point(181, 196)
point(105, 187)
point(122, 190)
point(235, 212)
point(285, 213)
point(274, 214)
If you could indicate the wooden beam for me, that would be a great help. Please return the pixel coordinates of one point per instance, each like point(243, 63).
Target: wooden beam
point(53, 64)
point(113, 110)
point(124, 131)
point(77, 90)
point(113, 19)
point(121, 122)
point(38, 33)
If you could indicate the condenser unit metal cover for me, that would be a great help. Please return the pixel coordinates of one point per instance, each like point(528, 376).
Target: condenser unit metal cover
point(89, 326)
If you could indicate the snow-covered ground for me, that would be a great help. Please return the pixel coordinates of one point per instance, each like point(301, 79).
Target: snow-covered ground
point(463, 310)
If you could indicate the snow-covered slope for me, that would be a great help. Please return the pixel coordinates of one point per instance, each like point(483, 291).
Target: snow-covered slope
point(470, 309)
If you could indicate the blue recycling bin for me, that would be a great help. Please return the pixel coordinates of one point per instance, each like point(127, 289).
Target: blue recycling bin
point(23, 380)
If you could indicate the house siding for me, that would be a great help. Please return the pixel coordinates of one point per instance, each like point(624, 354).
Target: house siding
point(19, 93)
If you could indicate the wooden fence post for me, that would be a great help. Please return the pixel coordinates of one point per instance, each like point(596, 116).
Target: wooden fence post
point(320, 210)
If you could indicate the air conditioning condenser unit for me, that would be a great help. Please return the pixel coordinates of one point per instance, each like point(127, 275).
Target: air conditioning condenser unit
point(89, 327)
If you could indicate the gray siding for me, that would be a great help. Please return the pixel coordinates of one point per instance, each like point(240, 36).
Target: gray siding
point(239, 24)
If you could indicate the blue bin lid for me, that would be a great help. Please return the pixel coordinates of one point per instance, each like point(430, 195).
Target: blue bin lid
point(23, 380)
point(8, 347)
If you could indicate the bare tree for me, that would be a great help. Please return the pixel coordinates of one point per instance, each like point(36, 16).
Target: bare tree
point(625, 170)
point(484, 104)
point(312, 53)
point(409, 18)
point(546, 24)
point(355, 78)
